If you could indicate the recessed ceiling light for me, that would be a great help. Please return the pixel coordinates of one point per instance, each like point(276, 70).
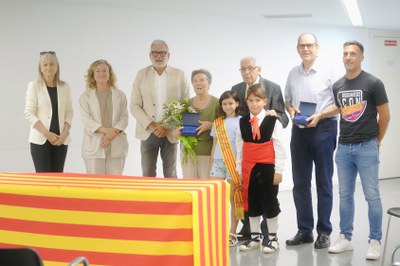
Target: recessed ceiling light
point(301, 15)
point(353, 11)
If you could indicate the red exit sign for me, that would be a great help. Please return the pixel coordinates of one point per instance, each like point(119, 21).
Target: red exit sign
point(390, 43)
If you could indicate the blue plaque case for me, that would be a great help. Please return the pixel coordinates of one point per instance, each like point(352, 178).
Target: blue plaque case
point(307, 109)
point(190, 122)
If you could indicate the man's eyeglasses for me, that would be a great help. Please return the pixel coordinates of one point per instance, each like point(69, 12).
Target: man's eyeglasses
point(308, 45)
point(47, 52)
point(247, 69)
point(156, 53)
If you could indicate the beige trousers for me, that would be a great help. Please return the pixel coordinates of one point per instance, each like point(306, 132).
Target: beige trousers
point(198, 169)
point(110, 166)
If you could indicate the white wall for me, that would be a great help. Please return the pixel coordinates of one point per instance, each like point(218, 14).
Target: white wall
point(82, 33)
point(385, 63)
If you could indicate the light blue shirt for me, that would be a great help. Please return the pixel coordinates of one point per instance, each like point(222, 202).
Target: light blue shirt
point(231, 125)
point(314, 86)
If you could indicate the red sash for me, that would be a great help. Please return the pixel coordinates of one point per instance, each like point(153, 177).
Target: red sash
point(254, 153)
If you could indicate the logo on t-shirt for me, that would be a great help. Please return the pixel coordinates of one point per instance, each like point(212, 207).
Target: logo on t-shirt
point(352, 104)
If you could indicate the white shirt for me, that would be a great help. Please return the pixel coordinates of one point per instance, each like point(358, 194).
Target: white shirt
point(160, 84)
point(280, 153)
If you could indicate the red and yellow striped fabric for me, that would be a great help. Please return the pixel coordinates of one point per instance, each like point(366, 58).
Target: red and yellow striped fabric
point(116, 220)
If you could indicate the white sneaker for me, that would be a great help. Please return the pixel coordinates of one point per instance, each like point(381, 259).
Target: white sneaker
point(271, 247)
point(374, 250)
point(341, 245)
point(251, 244)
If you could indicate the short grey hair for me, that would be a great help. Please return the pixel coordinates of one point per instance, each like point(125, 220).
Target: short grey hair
point(307, 33)
point(248, 58)
point(155, 42)
point(202, 71)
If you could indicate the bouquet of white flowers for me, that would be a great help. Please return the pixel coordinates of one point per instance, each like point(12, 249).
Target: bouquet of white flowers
point(172, 119)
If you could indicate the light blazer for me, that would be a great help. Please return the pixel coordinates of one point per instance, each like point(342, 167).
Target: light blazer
point(143, 98)
point(274, 96)
point(91, 119)
point(38, 107)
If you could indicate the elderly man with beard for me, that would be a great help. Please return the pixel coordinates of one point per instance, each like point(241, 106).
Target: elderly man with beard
point(154, 86)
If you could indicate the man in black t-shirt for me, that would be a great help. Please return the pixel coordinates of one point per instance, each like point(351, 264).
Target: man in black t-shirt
point(364, 111)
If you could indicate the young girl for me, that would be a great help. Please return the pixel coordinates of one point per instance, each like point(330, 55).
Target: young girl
point(223, 155)
point(260, 162)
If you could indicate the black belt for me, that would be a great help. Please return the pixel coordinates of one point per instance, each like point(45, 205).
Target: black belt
point(329, 119)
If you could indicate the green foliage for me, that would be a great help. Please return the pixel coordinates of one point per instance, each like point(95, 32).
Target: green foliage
point(172, 119)
point(189, 142)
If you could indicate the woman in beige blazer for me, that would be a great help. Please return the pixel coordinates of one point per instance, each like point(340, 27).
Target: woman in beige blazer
point(104, 113)
point(48, 108)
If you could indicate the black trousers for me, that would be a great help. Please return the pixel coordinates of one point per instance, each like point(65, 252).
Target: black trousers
point(262, 197)
point(48, 158)
point(263, 194)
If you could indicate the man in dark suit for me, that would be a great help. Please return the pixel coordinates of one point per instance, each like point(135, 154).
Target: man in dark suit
point(251, 75)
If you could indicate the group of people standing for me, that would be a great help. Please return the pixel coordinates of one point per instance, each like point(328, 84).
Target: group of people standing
point(104, 115)
point(239, 136)
point(362, 102)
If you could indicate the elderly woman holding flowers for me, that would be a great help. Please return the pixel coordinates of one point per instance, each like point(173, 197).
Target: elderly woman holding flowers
point(207, 106)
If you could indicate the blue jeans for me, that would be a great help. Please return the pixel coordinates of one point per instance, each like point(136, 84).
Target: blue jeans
point(362, 158)
point(149, 150)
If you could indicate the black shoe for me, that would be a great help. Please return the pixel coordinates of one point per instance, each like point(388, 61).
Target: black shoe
point(300, 238)
point(323, 241)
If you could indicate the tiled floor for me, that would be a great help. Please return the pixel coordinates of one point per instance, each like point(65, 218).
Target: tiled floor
point(306, 255)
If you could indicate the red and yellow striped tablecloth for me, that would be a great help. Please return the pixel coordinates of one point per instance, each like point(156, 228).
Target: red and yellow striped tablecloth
point(116, 220)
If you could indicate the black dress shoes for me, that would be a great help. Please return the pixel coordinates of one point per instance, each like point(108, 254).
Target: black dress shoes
point(300, 238)
point(323, 241)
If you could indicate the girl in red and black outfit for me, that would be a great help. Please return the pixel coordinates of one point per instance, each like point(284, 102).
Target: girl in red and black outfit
point(260, 161)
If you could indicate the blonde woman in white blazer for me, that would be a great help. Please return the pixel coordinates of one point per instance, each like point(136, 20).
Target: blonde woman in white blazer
point(104, 115)
point(48, 108)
